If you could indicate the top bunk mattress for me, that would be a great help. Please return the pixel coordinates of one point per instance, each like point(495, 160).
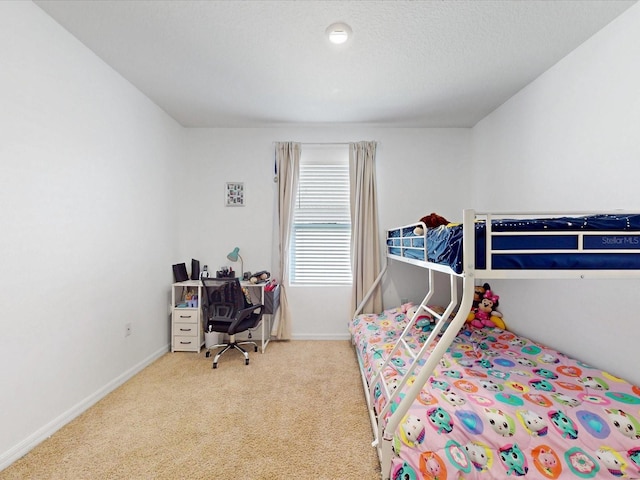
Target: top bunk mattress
point(593, 242)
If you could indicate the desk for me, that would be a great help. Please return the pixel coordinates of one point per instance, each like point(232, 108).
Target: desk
point(187, 329)
point(271, 302)
point(187, 333)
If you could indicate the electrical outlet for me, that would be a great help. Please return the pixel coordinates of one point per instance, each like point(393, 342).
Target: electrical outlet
point(127, 329)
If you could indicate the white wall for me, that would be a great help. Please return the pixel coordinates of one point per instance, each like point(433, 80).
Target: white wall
point(90, 172)
point(209, 230)
point(569, 141)
point(87, 222)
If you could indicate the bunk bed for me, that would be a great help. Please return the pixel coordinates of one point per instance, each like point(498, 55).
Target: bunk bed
point(447, 401)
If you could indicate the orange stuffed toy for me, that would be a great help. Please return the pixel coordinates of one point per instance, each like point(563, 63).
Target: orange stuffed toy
point(434, 220)
point(431, 221)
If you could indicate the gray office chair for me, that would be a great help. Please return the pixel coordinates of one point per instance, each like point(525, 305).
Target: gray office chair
point(226, 310)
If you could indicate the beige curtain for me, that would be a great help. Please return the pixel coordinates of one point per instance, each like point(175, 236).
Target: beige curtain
point(288, 168)
point(365, 246)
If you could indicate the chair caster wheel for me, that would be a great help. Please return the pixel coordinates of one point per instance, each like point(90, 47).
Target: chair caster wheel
point(255, 349)
point(215, 365)
point(246, 362)
point(208, 354)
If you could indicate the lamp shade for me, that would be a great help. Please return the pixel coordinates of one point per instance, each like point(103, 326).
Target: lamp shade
point(233, 256)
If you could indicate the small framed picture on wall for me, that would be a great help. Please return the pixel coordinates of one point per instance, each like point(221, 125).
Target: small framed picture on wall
point(234, 194)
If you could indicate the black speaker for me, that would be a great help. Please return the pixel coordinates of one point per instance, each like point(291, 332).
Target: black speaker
point(195, 269)
point(180, 272)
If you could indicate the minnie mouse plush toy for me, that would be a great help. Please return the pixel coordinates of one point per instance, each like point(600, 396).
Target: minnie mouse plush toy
point(484, 314)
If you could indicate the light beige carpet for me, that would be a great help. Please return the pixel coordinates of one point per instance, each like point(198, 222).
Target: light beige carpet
point(295, 412)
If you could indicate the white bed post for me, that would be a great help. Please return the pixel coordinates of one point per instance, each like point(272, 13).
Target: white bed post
point(468, 241)
point(372, 288)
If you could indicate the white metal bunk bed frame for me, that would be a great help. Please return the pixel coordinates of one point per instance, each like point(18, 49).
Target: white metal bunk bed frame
point(384, 431)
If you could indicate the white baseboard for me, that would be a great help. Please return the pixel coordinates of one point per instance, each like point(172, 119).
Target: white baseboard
point(320, 336)
point(22, 448)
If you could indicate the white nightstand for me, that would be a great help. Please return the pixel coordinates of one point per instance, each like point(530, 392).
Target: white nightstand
point(187, 334)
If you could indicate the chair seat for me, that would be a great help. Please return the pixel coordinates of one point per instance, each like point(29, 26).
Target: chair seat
point(223, 326)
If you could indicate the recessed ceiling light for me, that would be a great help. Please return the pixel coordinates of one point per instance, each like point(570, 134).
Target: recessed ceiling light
point(338, 33)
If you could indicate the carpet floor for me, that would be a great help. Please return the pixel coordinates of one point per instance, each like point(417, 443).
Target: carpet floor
point(295, 412)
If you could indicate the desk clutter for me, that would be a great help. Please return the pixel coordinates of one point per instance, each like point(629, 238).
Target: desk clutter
point(268, 289)
point(189, 298)
point(180, 271)
point(271, 290)
point(258, 277)
point(262, 278)
point(225, 272)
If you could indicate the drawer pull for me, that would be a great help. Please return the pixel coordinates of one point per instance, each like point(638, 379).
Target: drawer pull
point(185, 316)
point(185, 329)
point(185, 343)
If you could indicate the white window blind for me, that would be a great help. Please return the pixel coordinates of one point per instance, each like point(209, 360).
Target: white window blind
point(321, 234)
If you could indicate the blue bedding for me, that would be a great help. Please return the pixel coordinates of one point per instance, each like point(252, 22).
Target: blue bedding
point(601, 238)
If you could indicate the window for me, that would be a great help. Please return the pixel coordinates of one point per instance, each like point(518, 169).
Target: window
point(320, 252)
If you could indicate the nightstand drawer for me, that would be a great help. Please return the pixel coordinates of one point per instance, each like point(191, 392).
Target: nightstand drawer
point(185, 315)
point(185, 343)
point(185, 329)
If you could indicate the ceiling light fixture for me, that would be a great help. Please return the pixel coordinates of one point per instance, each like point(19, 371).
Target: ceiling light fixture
point(338, 33)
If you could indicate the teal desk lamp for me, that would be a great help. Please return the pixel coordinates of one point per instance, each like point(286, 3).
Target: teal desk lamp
point(234, 256)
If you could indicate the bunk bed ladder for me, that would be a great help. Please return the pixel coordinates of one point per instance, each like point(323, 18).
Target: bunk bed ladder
point(426, 361)
point(386, 417)
point(393, 396)
point(400, 345)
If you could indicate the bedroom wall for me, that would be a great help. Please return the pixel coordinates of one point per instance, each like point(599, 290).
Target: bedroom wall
point(106, 191)
point(209, 230)
point(88, 227)
point(569, 141)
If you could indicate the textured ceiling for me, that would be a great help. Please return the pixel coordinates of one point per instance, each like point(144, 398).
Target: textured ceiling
point(263, 63)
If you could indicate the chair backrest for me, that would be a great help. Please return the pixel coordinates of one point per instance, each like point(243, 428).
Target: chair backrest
point(223, 296)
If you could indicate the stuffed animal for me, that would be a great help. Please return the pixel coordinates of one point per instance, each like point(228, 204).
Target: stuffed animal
point(478, 293)
point(423, 321)
point(484, 315)
point(434, 220)
point(431, 221)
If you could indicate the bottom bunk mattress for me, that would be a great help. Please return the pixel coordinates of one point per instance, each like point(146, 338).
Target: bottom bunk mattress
point(502, 406)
